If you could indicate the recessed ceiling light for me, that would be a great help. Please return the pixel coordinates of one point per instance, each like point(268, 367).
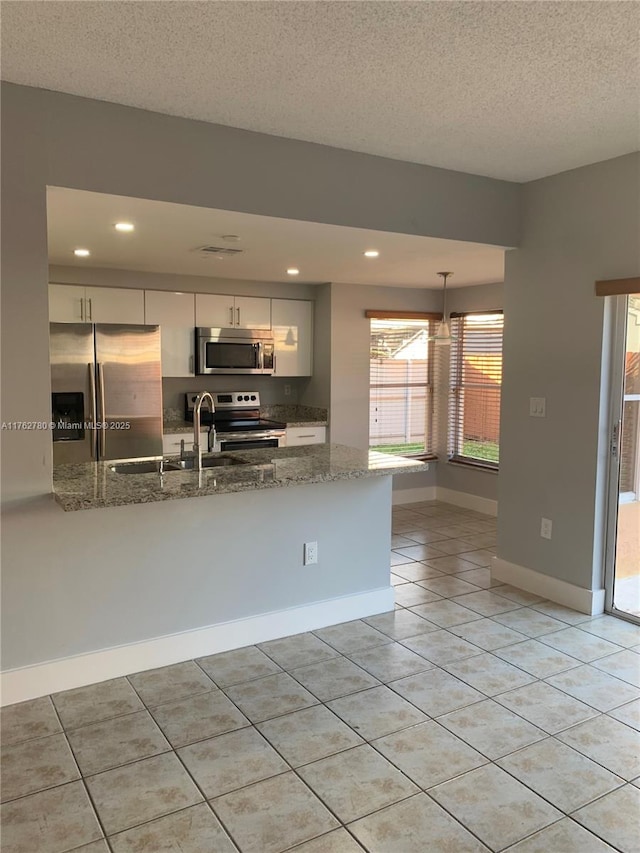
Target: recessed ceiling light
point(293, 271)
point(230, 238)
point(371, 253)
point(124, 226)
point(81, 253)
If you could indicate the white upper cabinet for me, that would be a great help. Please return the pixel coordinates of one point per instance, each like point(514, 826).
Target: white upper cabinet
point(115, 305)
point(292, 321)
point(214, 310)
point(71, 303)
point(67, 304)
point(175, 314)
point(233, 312)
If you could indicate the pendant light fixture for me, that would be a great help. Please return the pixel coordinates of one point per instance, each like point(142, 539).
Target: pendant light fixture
point(443, 335)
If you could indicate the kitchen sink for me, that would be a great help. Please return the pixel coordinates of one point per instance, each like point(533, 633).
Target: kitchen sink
point(158, 466)
point(148, 466)
point(207, 462)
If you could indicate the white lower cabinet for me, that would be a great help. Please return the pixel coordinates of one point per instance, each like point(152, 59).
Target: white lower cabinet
point(306, 435)
point(171, 442)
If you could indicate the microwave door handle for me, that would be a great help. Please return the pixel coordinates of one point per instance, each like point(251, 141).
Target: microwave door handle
point(260, 356)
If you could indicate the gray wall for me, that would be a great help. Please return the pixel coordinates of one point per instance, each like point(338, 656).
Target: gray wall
point(579, 226)
point(107, 277)
point(76, 582)
point(62, 140)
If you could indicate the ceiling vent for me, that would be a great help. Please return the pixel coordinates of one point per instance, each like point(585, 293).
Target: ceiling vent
point(217, 250)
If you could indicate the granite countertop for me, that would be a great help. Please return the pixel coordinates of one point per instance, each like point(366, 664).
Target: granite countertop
point(179, 426)
point(91, 485)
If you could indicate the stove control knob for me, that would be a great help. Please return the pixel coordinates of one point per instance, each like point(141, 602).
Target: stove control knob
point(253, 396)
point(239, 398)
point(246, 396)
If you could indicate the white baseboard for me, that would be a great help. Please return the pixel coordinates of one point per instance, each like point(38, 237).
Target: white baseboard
point(589, 601)
point(29, 682)
point(468, 501)
point(409, 496)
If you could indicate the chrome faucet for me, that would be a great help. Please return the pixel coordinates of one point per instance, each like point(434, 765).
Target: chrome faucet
point(196, 454)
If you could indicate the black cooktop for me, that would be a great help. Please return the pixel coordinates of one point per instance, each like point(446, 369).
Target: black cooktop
point(247, 425)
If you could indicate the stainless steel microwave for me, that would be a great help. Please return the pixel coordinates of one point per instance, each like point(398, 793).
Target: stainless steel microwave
point(234, 351)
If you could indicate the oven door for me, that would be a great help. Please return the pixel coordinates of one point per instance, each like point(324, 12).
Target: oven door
point(248, 440)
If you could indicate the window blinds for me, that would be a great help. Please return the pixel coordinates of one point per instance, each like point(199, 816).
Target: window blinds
point(401, 386)
point(475, 384)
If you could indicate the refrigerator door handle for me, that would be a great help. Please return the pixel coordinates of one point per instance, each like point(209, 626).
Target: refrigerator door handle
point(92, 395)
point(101, 434)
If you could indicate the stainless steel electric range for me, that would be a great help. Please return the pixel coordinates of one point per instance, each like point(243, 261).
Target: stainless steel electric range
point(237, 421)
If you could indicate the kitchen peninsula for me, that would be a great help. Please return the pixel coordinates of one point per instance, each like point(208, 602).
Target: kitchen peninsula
point(91, 485)
point(161, 568)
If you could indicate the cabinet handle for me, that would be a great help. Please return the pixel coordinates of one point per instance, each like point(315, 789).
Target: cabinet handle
point(82, 310)
point(311, 435)
point(190, 364)
point(238, 310)
point(231, 315)
point(90, 309)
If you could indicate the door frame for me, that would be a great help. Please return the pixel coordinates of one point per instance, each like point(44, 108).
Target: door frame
point(616, 401)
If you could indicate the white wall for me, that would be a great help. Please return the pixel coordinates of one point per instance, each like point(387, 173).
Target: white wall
point(579, 226)
point(78, 582)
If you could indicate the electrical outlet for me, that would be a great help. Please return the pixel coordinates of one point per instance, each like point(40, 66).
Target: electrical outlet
point(546, 526)
point(538, 407)
point(287, 390)
point(310, 553)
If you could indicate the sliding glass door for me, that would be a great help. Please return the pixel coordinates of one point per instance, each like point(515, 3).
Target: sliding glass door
point(623, 540)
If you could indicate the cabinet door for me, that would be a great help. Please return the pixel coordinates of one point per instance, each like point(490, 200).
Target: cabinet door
point(171, 441)
point(115, 305)
point(214, 310)
point(252, 312)
point(175, 314)
point(297, 436)
point(66, 304)
point(293, 336)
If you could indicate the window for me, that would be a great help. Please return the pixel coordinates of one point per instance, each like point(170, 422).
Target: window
point(475, 384)
point(401, 386)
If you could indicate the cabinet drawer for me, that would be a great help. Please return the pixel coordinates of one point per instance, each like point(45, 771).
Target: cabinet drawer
point(171, 441)
point(306, 435)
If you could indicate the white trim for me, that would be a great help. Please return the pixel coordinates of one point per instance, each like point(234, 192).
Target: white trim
point(589, 601)
point(409, 496)
point(468, 501)
point(29, 682)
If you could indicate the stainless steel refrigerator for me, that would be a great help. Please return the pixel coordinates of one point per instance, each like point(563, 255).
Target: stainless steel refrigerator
point(106, 376)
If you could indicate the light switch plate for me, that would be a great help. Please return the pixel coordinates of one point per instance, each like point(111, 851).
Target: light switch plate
point(538, 407)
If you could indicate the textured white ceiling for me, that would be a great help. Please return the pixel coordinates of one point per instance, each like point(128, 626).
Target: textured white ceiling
point(166, 235)
point(513, 90)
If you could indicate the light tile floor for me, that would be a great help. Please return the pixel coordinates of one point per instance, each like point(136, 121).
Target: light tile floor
point(474, 717)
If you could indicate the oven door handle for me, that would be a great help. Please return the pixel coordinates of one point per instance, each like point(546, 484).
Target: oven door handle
point(248, 435)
